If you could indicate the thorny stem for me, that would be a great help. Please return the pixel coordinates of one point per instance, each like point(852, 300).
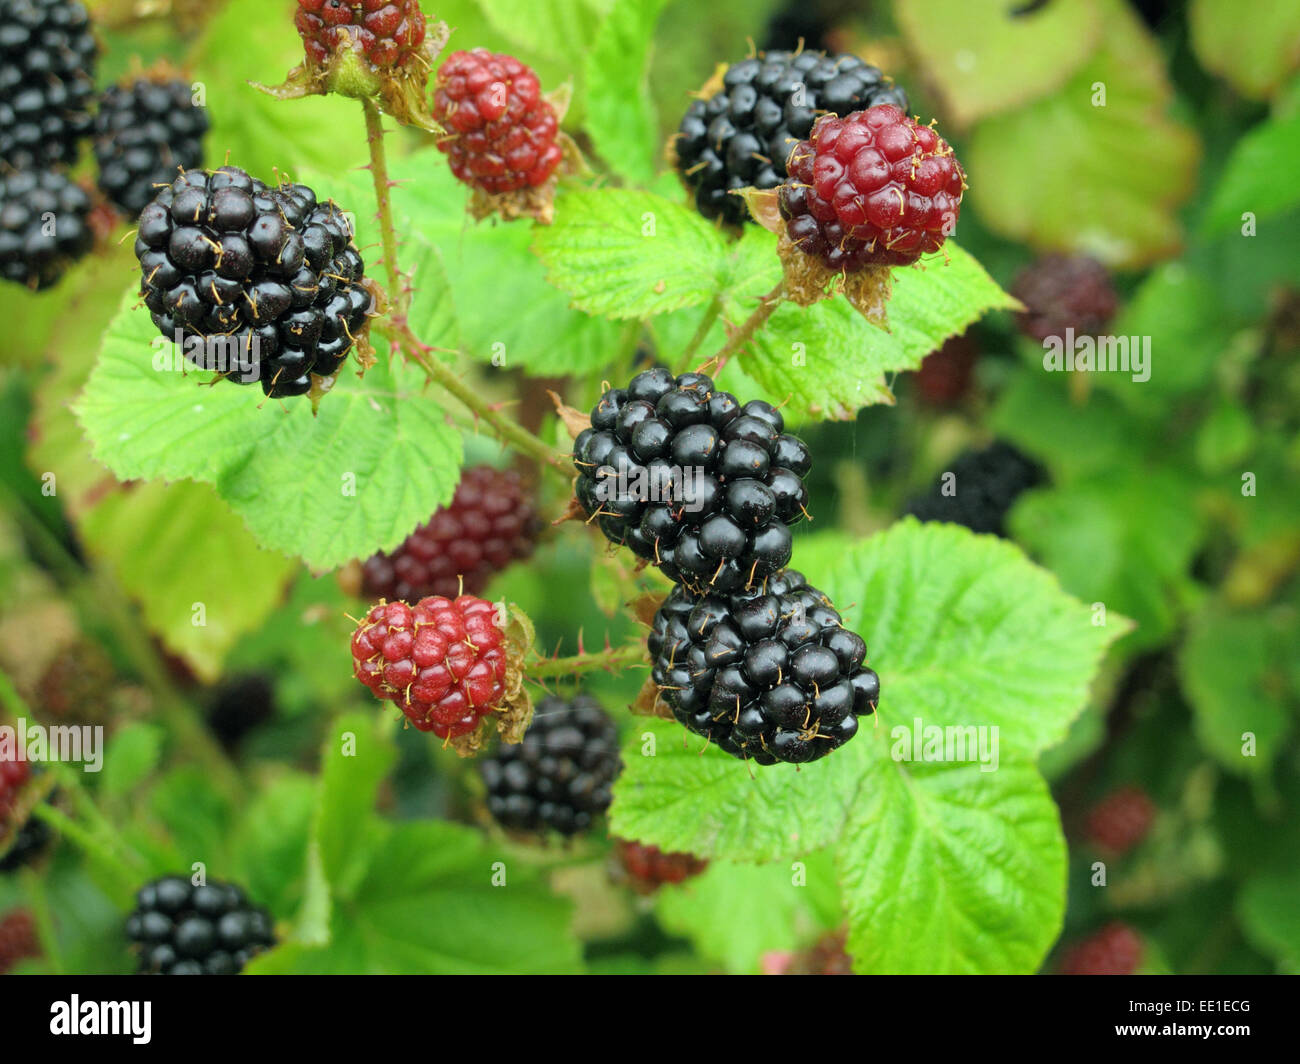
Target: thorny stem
point(706, 323)
point(613, 658)
point(128, 878)
point(507, 428)
point(749, 326)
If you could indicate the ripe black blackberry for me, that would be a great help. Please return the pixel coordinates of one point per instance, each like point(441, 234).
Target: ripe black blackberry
point(145, 132)
point(47, 80)
point(560, 776)
point(983, 488)
point(180, 929)
point(742, 135)
point(768, 675)
point(257, 283)
point(239, 705)
point(44, 226)
point(29, 843)
point(691, 480)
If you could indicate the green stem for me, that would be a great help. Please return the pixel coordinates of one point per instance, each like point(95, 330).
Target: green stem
point(749, 326)
point(612, 659)
point(39, 904)
point(688, 354)
point(379, 173)
point(127, 877)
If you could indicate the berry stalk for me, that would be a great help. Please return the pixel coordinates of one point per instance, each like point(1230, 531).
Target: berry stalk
point(379, 172)
point(711, 313)
point(612, 658)
point(748, 327)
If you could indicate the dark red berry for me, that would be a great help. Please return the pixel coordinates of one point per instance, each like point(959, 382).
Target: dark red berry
point(501, 131)
point(387, 32)
point(1121, 820)
point(1114, 950)
point(647, 868)
point(18, 940)
point(1063, 292)
point(944, 376)
point(443, 661)
point(490, 522)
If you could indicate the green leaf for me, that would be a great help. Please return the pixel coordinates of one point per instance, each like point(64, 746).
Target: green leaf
point(1249, 183)
point(270, 842)
point(621, 116)
point(947, 869)
point(1065, 173)
point(355, 478)
point(197, 818)
point(830, 361)
point(981, 60)
point(1232, 670)
point(964, 630)
point(237, 586)
point(628, 254)
point(133, 753)
point(734, 913)
point(354, 761)
point(421, 910)
point(1270, 917)
point(1254, 53)
point(557, 29)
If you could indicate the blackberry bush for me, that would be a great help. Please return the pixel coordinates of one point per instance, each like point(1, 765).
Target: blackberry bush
point(767, 675)
point(146, 131)
point(177, 928)
point(257, 283)
point(47, 82)
point(741, 136)
point(692, 480)
point(44, 226)
point(559, 777)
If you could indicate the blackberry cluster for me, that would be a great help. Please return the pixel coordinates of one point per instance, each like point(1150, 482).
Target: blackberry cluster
point(742, 135)
point(502, 131)
point(1063, 292)
point(490, 522)
point(145, 132)
point(257, 283)
point(239, 705)
point(44, 226)
point(873, 188)
point(693, 481)
point(560, 776)
point(768, 675)
point(180, 929)
point(985, 485)
point(388, 31)
point(47, 74)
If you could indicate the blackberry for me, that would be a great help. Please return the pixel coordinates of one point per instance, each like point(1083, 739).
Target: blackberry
point(239, 705)
point(490, 522)
point(560, 776)
point(387, 32)
point(47, 75)
point(257, 283)
point(741, 136)
point(44, 226)
point(1121, 820)
point(768, 675)
point(18, 940)
point(945, 375)
point(29, 842)
point(647, 868)
point(984, 486)
point(691, 480)
point(1063, 292)
point(180, 929)
point(145, 132)
point(1114, 950)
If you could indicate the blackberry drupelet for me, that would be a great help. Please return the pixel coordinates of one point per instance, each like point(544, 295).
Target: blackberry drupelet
point(44, 226)
point(490, 522)
point(47, 81)
point(560, 776)
point(985, 486)
point(258, 283)
point(691, 480)
point(180, 929)
point(145, 132)
point(768, 675)
point(742, 135)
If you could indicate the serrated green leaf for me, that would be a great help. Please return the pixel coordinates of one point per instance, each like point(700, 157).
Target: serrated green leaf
point(557, 29)
point(947, 869)
point(354, 759)
point(621, 116)
point(1256, 53)
point(133, 753)
point(1231, 669)
point(1249, 184)
point(271, 840)
point(197, 818)
point(628, 254)
point(432, 314)
point(327, 488)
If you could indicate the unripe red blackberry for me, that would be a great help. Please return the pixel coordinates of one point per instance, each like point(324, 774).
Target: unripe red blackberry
point(47, 82)
point(21, 841)
point(1121, 820)
point(18, 941)
point(944, 376)
point(501, 131)
point(177, 928)
point(387, 32)
point(875, 188)
point(1063, 292)
point(442, 661)
point(145, 132)
point(44, 226)
point(741, 136)
point(1114, 950)
point(766, 675)
point(259, 284)
point(692, 480)
point(490, 522)
point(559, 777)
point(647, 868)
